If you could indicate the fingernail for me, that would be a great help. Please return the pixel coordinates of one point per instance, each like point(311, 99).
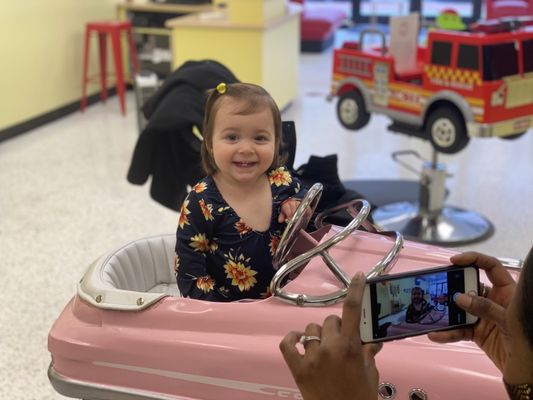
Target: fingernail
point(359, 276)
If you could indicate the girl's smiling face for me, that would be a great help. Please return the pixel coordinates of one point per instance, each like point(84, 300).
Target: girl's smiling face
point(243, 145)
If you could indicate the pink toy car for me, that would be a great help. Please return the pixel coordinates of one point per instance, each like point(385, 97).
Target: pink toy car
point(127, 333)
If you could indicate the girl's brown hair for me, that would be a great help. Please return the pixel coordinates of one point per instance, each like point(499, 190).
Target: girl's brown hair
point(254, 98)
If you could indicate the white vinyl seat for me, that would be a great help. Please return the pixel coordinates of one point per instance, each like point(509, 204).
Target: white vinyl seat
point(133, 276)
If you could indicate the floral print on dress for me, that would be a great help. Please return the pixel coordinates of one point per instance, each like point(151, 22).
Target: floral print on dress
point(205, 283)
point(280, 177)
point(206, 210)
point(200, 187)
point(176, 264)
point(274, 242)
point(242, 228)
point(184, 211)
point(200, 243)
point(240, 275)
point(221, 258)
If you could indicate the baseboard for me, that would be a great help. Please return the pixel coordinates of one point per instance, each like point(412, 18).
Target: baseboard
point(51, 116)
point(316, 46)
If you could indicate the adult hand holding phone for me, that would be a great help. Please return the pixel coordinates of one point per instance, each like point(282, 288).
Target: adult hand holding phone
point(490, 333)
point(335, 365)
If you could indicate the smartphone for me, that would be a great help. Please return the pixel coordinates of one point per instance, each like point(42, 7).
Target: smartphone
point(415, 303)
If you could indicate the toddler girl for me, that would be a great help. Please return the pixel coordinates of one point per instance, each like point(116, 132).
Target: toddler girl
point(231, 221)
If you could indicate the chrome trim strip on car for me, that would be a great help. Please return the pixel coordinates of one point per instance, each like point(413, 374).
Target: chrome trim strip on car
point(243, 386)
point(79, 389)
point(90, 390)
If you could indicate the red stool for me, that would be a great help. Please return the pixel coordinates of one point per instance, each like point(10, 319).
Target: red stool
point(113, 29)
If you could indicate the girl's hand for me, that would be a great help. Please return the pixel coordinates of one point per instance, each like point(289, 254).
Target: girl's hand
point(490, 333)
point(338, 366)
point(288, 208)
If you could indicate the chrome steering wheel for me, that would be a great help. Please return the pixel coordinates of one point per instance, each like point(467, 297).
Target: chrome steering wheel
point(298, 221)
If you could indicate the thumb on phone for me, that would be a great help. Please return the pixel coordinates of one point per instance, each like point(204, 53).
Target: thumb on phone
point(482, 307)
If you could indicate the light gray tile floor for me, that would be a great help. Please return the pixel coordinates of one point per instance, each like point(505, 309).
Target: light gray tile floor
point(64, 200)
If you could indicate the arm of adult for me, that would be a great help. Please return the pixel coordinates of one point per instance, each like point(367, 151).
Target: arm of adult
point(338, 366)
point(491, 332)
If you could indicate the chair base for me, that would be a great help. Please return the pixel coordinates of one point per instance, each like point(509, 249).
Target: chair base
point(452, 227)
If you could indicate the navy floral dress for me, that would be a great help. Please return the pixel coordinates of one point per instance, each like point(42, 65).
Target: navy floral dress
point(219, 257)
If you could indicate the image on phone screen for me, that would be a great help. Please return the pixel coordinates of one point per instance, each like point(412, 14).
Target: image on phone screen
point(410, 305)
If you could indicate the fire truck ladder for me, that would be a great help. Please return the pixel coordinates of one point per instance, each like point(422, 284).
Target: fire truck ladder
point(429, 220)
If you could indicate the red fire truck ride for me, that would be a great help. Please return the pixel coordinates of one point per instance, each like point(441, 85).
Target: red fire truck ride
point(465, 84)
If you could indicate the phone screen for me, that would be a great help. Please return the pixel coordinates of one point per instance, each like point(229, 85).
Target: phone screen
point(414, 304)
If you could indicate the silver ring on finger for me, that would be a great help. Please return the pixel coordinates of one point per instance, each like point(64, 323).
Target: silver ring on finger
point(308, 338)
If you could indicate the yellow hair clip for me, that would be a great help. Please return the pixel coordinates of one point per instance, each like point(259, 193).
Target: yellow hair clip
point(221, 88)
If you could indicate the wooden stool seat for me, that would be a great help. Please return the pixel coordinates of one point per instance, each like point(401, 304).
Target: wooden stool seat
point(113, 29)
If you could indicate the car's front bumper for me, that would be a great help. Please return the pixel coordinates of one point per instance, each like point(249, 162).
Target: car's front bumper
point(503, 128)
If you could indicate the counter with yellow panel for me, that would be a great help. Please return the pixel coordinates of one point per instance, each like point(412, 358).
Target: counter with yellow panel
point(262, 52)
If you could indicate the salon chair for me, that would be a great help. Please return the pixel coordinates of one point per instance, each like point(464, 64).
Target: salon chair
point(428, 219)
point(414, 208)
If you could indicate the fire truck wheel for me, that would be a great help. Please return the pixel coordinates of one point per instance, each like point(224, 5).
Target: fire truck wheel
point(446, 130)
point(351, 110)
point(512, 137)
